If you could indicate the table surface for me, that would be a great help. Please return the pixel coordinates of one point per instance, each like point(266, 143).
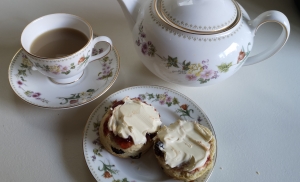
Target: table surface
point(255, 113)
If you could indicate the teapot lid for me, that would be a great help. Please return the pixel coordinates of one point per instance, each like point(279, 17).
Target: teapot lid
point(199, 16)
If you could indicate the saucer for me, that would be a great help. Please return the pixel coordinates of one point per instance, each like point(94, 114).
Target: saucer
point(39, 90)
point(171, 106)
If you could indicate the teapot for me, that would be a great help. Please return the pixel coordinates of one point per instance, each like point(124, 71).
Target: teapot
point(197, 43)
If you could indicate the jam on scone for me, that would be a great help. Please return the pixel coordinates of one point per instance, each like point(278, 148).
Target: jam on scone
point(185, 149)
point(128, 127)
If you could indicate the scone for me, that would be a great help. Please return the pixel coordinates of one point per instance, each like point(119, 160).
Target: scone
point(128, 127)
point(185, 150)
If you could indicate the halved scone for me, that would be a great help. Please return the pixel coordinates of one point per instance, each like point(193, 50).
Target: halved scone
point(128, 127)
point(185, 150)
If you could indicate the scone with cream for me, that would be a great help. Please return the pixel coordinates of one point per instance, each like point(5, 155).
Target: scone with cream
point(185, 149)
point(128, 127)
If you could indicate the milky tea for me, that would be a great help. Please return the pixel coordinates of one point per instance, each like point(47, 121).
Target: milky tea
point(58, 43)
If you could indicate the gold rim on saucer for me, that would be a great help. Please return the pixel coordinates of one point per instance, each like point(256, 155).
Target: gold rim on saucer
point(10, 75)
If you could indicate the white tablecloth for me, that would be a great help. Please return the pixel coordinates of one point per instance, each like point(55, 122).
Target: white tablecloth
point(255, 113)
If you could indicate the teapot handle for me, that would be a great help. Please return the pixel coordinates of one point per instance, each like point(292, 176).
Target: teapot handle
point(269, 16)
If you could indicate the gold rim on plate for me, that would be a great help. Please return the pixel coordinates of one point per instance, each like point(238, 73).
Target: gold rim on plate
point(92, 115)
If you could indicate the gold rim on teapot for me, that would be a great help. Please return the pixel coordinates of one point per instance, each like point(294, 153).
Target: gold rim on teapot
point(162, 15)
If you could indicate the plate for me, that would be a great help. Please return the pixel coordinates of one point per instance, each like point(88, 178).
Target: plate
point(171, 105)
point(38, 90)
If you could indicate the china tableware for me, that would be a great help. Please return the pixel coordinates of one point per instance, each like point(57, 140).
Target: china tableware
point(39, 91)
point(197, 42)
point(171, 105)
point(58, 68)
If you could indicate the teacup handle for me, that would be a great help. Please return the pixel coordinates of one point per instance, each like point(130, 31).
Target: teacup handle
point(106, 51)
point(269, 16)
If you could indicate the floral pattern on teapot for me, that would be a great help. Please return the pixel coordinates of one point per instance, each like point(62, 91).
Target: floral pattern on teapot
point(201, 71)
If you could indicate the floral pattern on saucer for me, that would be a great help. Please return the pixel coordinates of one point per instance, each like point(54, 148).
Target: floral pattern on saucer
point(170, 104)
point(75, 98)
point(107, 70)
point(32, 94)
point(38, 90)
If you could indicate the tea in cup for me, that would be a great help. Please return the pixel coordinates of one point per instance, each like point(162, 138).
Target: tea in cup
point(60, 46)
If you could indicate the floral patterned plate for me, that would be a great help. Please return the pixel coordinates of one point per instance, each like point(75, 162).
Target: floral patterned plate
point(38, 90)
point(171, 105)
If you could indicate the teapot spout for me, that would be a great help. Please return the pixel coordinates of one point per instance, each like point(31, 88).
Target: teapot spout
point(130, 9)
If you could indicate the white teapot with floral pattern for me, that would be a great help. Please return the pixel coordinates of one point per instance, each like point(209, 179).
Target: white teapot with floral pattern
point(197, 42)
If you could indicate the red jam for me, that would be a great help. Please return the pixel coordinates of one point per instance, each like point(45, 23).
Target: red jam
point(123, 143)
point(117, 103)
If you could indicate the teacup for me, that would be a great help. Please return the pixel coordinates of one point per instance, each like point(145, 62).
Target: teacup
point(62, 69)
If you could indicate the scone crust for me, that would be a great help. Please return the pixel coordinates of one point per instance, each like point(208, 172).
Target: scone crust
point(176, 173)
point(135, 151)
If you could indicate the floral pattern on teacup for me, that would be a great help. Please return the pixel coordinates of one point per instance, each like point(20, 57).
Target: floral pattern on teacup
point(96, 51)
point(25, 66)
point(57, 68)
point(83, 60)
